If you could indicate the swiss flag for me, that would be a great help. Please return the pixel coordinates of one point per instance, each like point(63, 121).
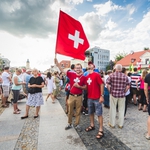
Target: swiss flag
point(71, 39)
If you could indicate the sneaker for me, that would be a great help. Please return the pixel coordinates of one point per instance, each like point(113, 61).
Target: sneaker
point(120, 127)
point(86, 113)
point(78, 128)
point(83, 112)
point(69, 126)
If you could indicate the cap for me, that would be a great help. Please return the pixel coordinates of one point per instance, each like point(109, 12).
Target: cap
point(90, 63)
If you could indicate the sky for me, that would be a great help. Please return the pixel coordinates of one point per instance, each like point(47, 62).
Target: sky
point(28, 28)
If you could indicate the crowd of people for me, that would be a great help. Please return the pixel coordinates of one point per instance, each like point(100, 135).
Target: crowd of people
point(86, 91)
point(114, 89)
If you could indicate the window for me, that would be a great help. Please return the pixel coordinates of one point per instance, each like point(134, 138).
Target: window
point(147, 61)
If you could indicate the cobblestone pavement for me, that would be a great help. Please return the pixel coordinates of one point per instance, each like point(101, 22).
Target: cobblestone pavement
point(130, 137)
point(135, 127)
point(1, 108)
point(28, 138)
point(108, 142)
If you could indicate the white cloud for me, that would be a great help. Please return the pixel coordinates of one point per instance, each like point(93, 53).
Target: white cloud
point(92, 25)
point(104, 9)
point(131, 9)
point(111, 25)
point(76, 2)
point(129, 19)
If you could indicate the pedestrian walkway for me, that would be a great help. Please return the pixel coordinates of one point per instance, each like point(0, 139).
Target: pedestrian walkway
point(44, 133)
point(52, 133)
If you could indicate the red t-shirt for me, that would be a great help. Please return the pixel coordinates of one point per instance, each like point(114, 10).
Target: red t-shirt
point(73, 78)
point(93, 82)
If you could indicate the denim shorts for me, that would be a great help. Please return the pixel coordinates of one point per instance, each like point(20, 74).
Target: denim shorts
point(94, 106)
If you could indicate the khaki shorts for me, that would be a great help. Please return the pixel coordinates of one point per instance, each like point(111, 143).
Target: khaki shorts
point(5, 90)
point(56, 91)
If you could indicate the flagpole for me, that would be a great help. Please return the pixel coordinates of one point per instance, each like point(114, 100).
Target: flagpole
point(57, 33)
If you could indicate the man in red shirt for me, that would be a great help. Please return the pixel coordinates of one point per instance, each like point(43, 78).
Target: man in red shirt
point(77, 84)
point(95, 90)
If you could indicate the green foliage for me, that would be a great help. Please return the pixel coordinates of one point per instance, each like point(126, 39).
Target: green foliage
point(146, 48)
point(108, 67)
point(119, 56)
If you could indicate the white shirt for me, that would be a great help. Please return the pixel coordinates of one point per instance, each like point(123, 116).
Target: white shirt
point(5, 79)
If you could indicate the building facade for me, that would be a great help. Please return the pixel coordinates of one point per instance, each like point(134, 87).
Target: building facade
point(27, 64)
point(136, 58)
point(100, 57)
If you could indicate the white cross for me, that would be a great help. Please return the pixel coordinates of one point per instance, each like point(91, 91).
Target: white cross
point(77, 80)
point(76, 39)
point(89, 81)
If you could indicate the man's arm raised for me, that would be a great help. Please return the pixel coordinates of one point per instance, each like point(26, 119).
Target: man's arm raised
point(58, 65)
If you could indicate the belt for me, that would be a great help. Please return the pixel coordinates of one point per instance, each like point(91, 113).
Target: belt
point(76, 95)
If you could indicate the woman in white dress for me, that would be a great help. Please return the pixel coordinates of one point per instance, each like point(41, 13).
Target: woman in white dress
point(50, 86)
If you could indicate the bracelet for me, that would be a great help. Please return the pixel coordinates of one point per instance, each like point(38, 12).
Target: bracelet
point(102, 95)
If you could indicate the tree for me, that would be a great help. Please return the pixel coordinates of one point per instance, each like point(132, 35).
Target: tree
point(146, 48)
point(119, 56)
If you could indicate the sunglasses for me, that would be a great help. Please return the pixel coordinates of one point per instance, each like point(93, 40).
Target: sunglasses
point(89, 69)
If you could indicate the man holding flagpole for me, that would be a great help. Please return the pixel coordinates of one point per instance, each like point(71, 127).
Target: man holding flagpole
point(77, 84)
point(71, 41)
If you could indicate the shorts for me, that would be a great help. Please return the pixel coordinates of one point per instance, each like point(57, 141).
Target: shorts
point(135, 91)
point(94, 106)
point(5, 90)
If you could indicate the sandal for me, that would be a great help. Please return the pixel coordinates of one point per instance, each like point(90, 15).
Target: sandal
point(16, 112)
point(36, 116)
point(147, 137)
point(5, 106)
point(144, 110)
point(24, 117)
point(100, 134)
point(90, 128)
point(140, 109)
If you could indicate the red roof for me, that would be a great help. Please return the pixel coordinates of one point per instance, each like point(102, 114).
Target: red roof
point(126, 61)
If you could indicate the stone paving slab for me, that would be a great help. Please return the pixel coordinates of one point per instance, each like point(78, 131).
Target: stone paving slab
point(10, 127)
point(52, 134)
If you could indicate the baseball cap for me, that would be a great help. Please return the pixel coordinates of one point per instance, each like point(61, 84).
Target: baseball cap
point(90, 63)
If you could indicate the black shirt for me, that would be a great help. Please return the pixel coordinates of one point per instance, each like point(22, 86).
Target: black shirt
point(147, 79)
point(38, 81)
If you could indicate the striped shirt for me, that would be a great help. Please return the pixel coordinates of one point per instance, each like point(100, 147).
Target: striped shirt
point(134, 78)
point(118, 82)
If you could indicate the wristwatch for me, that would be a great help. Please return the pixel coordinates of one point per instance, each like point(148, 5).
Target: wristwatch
point(102, 95)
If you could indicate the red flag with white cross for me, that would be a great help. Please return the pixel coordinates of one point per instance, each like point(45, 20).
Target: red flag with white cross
point(71, 39)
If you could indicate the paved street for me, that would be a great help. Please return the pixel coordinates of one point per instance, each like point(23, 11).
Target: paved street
point(47, 132)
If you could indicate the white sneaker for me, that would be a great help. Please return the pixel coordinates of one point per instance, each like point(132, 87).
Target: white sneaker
point(69, 126)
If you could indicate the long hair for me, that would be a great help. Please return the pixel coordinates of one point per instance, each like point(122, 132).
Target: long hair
point(49, 75)
point(144, 73)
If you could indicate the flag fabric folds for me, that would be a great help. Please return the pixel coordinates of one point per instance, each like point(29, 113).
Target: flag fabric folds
point(71, 39)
